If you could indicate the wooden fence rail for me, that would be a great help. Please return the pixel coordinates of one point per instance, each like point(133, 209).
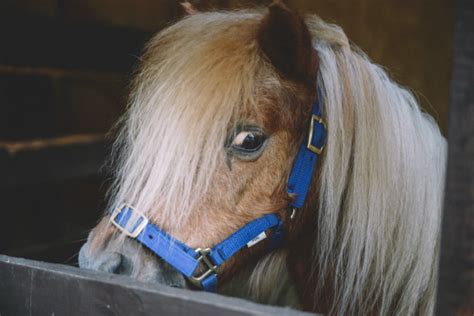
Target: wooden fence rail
point(37, 288)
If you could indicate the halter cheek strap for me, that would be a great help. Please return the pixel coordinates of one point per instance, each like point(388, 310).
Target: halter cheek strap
point(189, 261)
point(306, 159)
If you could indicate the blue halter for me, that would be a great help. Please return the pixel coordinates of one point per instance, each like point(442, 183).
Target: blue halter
point(190, 261)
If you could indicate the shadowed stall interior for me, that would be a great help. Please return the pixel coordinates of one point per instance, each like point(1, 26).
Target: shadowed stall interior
point(64, 73)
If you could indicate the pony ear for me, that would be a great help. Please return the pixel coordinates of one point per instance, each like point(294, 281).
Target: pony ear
point(285, 40)
point(188, 8)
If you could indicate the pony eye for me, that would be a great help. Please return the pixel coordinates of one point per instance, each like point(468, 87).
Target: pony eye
point(248, 141)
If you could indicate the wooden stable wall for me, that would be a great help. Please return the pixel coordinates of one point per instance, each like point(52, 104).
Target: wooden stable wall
point(412, 40)
point(456, 275)
point(64, 70)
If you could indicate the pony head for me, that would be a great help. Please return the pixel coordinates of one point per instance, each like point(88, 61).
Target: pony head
point(218, 110)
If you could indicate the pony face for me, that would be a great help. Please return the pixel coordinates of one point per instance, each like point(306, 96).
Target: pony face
point(216, 117)
point(217, 112)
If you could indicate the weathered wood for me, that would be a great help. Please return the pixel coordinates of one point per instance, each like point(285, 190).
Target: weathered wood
point(456, 276)
point(15, 147)
point(147, 15)
point(37, 288)
point(45, 102)
point(53, 160)
point(33, 40)
point(411, 39)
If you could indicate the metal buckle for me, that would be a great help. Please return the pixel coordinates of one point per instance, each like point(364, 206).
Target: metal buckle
point(136, 229)
point(211, 268)
point(310, 146)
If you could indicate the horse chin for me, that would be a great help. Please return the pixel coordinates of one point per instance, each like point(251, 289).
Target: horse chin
point(133, 261)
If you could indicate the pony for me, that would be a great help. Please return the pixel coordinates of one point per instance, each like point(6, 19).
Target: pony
point(218, 109)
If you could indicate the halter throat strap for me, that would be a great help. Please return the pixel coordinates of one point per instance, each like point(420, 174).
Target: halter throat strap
point(187, 260)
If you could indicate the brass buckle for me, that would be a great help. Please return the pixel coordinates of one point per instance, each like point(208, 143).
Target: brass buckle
point(310, 146)
point(136, 229)
point(211, 268)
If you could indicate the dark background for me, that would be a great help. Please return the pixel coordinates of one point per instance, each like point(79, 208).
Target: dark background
point(64, 70)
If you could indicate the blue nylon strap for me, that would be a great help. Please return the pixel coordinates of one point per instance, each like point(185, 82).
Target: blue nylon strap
point(169, 249)
point(301, 174)
point(174, 252)
point(184, 258)
point(238, 240)
point(210, 283)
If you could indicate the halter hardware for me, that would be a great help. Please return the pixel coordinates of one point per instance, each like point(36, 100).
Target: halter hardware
point(315, 119)
point(134, 230)
point(211, 267)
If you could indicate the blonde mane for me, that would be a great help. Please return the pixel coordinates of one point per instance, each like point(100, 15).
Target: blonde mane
point(381, 183)
point(168, 95)
point(381, 186)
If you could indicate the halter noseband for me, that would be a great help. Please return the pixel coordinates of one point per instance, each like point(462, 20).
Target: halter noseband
point(188, 260)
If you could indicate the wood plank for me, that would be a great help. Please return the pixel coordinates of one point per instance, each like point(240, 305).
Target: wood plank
point(146, 15)
point(51, 160)
point(45, 102)
point(37, 288)
point(456, 275)
point(35, 40)
point(411, 39)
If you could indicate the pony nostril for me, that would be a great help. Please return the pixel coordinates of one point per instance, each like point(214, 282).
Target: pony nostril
point(116, 263)
point(170, 276)
point(125, 267)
